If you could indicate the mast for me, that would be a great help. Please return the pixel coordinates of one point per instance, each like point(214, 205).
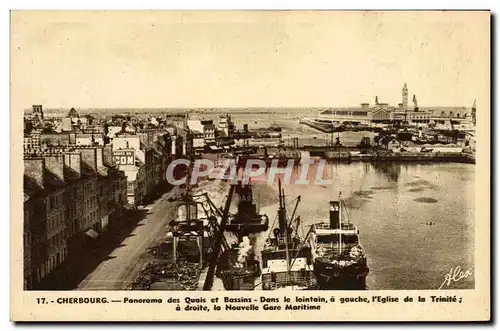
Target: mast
point(294, 211)
point(281, 210)
point(283, 223)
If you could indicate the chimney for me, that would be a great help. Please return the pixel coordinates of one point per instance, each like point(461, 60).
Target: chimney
point(99, 156)
point(334, 215)
point(73, 161)
point(55, 164)
point(108, 155)
point(33, 169)
point(89, 157)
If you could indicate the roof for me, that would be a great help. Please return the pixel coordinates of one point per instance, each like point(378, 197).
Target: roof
point(86, 170)
point(353, 109)
point(102, 171)
point(52, 182)
point(70, 174)
point(381, 109)
point(31, 187)
point(387, 139)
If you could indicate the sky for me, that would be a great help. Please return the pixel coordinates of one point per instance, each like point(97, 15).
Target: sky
point(247, 59)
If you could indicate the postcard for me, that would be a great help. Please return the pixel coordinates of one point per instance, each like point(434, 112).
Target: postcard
point(250, 166)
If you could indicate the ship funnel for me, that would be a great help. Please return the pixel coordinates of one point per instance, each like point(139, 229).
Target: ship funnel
point(334, 215)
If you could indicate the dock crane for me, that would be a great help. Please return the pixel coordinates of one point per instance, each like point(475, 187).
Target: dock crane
point(219, 239)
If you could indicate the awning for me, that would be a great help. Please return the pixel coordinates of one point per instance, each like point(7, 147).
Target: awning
point(92, 233)
point(226, 147)
point(214, 148)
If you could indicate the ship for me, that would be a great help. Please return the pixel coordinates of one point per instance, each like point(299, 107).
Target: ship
point(339, 259)
point(274, 127)
point(286, 258)
point(247, 220)
point(238, 267)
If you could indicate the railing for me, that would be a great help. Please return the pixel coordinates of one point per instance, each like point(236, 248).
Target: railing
point(335, 250)
point(326, 226)
point(293, 279)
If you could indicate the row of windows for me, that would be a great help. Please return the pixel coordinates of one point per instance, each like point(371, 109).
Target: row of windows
point(91, 203)
point(89, 189)
point(49, 265)
point(451, 114)
point(54, 201)
point(57, 240)
point(55, 222)
point(91, 218)
point(348, 113)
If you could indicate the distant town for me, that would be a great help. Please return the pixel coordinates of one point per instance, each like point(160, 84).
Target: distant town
point(86, 174)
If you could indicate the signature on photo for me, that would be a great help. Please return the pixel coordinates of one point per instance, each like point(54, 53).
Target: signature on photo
point(454, 275)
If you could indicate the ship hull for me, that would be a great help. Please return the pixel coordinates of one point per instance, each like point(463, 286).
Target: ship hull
point(298, 280)
point(333, 277)
point(238, 280)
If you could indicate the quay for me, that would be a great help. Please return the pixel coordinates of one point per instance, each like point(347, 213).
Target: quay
point(399, 157)
point(356, 154)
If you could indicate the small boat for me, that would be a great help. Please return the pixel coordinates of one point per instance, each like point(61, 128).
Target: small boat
point(339, 259)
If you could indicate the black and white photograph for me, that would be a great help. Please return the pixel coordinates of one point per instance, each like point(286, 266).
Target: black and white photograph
point(268, 151)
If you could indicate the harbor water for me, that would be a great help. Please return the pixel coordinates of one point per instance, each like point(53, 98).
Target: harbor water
point(416, 221)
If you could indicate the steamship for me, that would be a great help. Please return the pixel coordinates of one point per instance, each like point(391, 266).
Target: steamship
point(286, 258)
point(338, 257)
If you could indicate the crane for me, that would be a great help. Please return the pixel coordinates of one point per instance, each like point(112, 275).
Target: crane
point(219, 237)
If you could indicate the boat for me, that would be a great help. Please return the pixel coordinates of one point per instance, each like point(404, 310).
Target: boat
point(339, 259)
point(286, 258)
point(247, 220)
point(274, 127)
point(238, 267)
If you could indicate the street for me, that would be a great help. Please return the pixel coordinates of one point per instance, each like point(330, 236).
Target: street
point(123, 263)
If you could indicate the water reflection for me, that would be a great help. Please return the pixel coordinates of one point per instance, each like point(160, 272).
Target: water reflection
point(389, 170)
point(416, 221)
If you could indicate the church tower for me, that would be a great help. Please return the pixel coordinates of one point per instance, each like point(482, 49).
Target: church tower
point(405, 97)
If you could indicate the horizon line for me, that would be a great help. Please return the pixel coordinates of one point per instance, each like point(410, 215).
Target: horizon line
point(229, 107)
